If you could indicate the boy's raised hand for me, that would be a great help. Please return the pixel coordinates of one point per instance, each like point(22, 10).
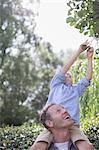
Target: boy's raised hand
point(84, 46)
point(90, 52)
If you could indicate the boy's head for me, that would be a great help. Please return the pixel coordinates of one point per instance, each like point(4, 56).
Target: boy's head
point(68, 79)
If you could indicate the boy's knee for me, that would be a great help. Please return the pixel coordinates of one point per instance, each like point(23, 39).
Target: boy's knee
point(39, 146)
point(84, 145)
point(89, 146)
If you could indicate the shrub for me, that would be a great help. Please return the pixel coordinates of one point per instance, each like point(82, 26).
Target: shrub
point(18, 138)
point(21, 138)
point(90, 127)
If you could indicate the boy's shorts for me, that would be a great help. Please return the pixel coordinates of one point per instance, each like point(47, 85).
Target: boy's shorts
point(75, 132)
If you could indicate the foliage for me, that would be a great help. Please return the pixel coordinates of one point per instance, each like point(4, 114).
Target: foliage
point(18, 138)
point(24, 64)
point(89, 102)
point(25, 81)
point(90, 127)
point(84, 15)
point(15, 24)
point(15, 21)
point(16, 84)
point(23, 137)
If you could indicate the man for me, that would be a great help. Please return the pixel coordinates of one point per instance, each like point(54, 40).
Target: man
point(64, 92)
point(58, 121)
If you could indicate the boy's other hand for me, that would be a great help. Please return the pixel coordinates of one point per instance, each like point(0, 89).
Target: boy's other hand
point(84, 46)
point(90, 52)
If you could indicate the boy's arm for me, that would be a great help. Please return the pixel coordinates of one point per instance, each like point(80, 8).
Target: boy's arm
point(70, 62)
point(90, 65)
point(84, 83)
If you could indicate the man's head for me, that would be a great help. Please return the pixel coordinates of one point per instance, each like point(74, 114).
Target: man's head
point(68, 79)
point(55, 116)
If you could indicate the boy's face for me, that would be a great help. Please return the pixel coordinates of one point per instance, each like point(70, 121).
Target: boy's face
point(68, 79)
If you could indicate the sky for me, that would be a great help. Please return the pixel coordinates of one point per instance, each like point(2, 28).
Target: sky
point(52, 26)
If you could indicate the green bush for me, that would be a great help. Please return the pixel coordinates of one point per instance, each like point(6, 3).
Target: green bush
point(18, 138)
point(21, 138)
point(90, 127)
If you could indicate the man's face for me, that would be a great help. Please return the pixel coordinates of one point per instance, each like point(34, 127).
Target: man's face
point(59, 117)
point(68, 79)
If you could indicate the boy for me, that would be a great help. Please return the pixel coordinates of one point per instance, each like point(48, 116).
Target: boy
point(63, 92)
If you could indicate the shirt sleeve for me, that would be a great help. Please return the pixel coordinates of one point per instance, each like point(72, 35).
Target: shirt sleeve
point(58, 78)
point(82, 86)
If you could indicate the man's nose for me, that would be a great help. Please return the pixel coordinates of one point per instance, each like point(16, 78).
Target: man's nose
point(64, 112)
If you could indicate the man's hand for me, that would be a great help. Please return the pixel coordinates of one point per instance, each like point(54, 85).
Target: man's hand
point(84, 46)
point(90, 52)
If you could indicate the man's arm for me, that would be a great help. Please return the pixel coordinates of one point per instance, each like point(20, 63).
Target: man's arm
point(90, 65)
point(71, 61)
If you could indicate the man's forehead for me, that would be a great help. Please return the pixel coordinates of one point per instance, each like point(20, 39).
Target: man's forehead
point(54, 107)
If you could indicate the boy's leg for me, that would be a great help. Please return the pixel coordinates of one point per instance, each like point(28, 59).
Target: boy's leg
point(84, 145)
point(43, 141)
point(80, 139)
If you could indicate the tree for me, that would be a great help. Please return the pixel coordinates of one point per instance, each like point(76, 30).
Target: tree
point(26, 65)
point(16, 84)
point(25, 83)
point(15, 22)
point(16, 34)
point(84, 15)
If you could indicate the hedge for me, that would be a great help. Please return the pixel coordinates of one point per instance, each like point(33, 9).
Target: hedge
point(90, 127)
point(18, 138)
point(21, 138)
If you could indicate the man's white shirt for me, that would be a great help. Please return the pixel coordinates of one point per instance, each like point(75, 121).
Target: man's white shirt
point(62, 146)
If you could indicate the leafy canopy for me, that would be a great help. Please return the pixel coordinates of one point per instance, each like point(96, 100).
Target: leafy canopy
point(84, 15)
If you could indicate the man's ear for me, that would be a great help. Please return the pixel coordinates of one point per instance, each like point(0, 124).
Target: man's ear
point(49, 123)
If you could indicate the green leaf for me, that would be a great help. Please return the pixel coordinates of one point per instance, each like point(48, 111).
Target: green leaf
point(70, 19)
point(87, 11)
point(80, 13)
point(96, 27)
